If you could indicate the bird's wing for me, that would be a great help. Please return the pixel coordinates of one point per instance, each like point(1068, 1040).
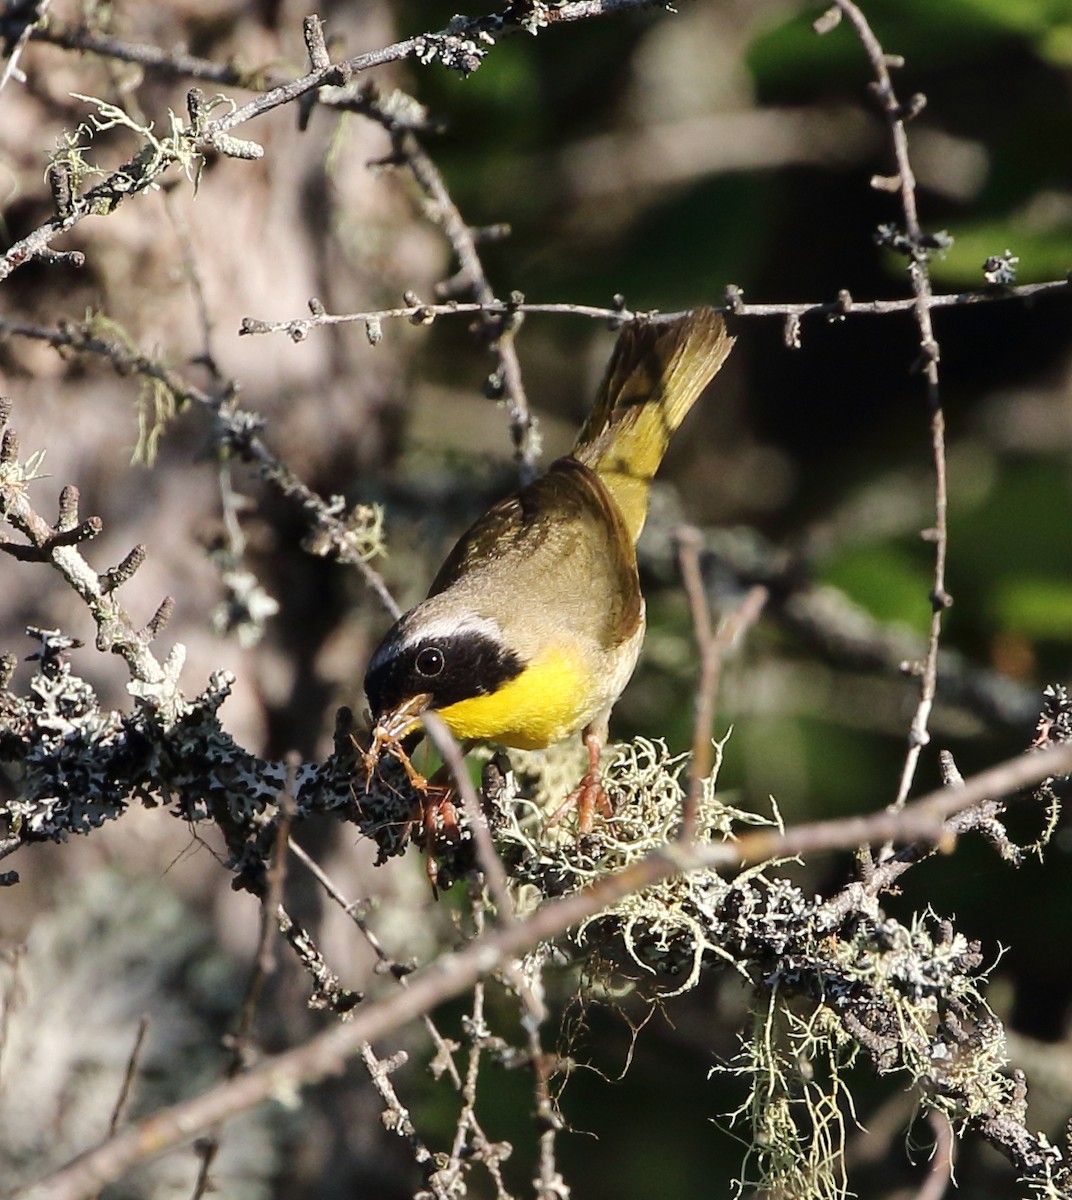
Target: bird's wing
point(564, 528)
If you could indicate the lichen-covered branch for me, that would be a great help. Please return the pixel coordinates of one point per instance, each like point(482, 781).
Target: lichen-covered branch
point(462, 46)
point(349, 535)
point(907, 997)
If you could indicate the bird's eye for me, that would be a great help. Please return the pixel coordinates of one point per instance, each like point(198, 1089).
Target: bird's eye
point(430, 662)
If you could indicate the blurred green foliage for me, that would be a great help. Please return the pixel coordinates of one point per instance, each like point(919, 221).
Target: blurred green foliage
point(890, 580)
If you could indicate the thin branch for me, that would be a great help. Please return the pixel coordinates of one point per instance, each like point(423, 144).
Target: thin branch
point(832, 311)
point(396, 1116)
point(350, 908)
point(454, 1169)
point(922, 820)
point(461, 46)
point(454, 973)
point(396, 970)
point(32, 26)
point(549, 1182)
point(264, 963)
point(237, 431)
point(470, 1143)
point(401, 116)
point(487, 856)
point(121, 1101)
point(163, 63)
point(940, 1174)
point(712, 647)
point(194, 277)
point(896, 114)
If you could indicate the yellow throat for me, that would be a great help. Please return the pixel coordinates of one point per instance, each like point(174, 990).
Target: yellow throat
point(541, 706)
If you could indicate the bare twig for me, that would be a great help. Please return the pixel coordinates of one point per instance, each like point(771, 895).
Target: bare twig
point(32, 27)
point(549, 1183)
point(919, 251)
point(396, 115)
point(246, 605)
point(298, 328)
point(264, 963)
point(273, 900)
point(349, 907)
point(192, 270)
point(396, 970)
point(396, 1116)
point(940, 1174)
point(454, 1169)
point(921, 820)
point(469, 1142)
point(712, 646)
point(488, 857)
point(471, 277)
point(121, 1101)
point(163, 63)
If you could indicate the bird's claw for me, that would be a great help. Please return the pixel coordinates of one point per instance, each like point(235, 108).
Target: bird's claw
point(588, 798)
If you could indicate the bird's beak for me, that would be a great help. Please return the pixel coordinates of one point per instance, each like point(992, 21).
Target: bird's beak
point(394, 725)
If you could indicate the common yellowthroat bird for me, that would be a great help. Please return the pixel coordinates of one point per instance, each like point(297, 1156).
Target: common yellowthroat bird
point(533, 625)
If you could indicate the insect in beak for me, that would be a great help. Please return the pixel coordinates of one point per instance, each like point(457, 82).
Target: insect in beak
point(436, 809)
point(389, 731)
point(394, 725)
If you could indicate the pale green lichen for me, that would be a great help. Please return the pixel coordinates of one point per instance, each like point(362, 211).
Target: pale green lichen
point(16, 474)
point(158, 153)
point(157, 404)
point(798, 1106)
point(664, 928)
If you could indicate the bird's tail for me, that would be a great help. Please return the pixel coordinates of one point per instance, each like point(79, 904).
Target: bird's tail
point(654, 377)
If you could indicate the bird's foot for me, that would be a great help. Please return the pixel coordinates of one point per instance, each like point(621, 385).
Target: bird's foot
point(590, 796)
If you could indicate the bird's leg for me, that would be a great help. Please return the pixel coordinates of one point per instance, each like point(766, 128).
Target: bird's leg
point(589, 795)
